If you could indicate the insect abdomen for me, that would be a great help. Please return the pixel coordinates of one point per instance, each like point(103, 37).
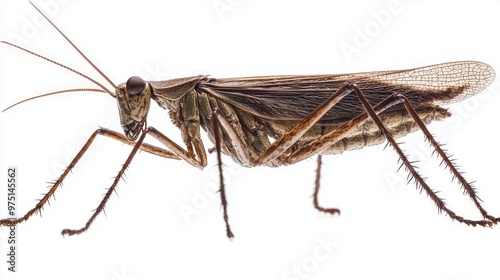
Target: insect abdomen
point(398, 124)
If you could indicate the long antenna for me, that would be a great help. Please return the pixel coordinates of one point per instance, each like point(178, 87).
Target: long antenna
point(103, 88)
point(75, 47)
point(60, 65)
point(54, 93)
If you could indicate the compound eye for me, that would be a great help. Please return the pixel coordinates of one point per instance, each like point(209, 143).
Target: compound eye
point(135, 85)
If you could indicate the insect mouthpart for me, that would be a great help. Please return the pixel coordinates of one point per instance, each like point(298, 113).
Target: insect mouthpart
point(133, 98)
point(132, 130)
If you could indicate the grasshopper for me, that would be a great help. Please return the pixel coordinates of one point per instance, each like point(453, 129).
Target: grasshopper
point(281, 120)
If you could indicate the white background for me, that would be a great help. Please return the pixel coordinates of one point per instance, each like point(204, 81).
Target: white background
point(387, 230)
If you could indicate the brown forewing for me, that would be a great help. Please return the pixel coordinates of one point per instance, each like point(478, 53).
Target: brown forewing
point(294, 97)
